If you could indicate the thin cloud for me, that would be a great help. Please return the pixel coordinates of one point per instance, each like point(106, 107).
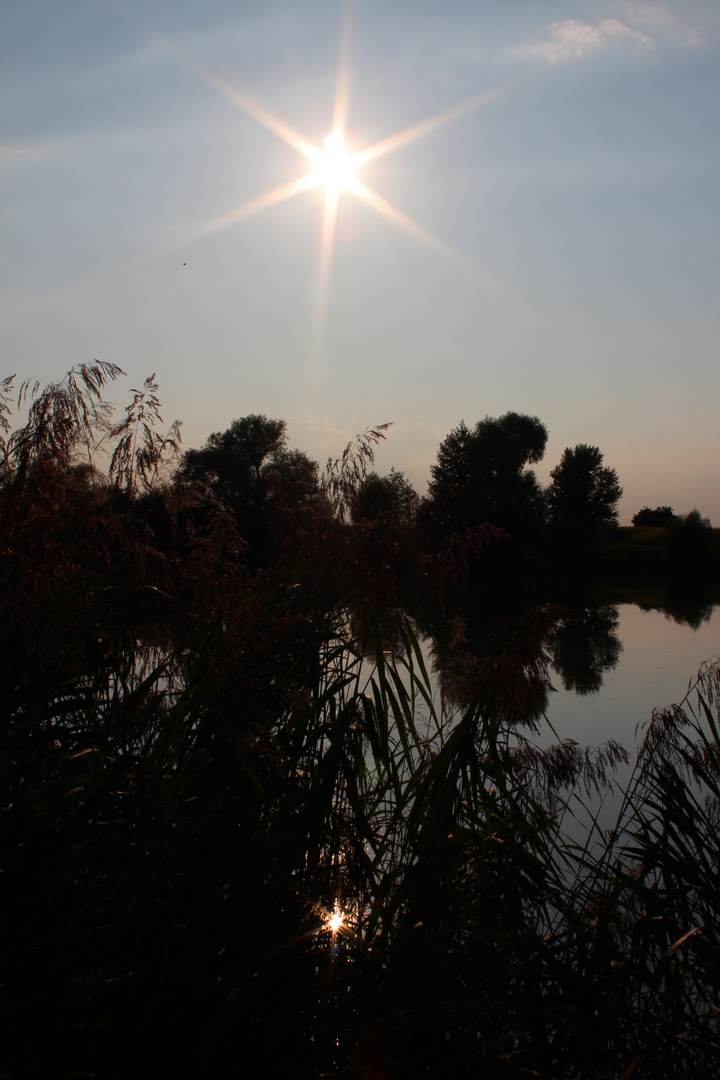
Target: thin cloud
point(333, 438)
point(687, 24)
point(328, 427)
point(436, 432)
point(15, 155)
point(574, 39)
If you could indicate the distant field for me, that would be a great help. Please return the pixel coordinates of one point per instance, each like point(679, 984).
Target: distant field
point(637, 546)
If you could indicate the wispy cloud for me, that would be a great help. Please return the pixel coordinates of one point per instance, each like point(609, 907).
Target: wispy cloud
point(438, 433)
point(15, 155)
point(690, 24)
point(328, 427)
point(635, 26)
point(334, 438)
point(574, 39)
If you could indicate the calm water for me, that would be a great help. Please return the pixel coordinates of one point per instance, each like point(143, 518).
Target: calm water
point(644, 659)
point(659, 657)
point(634, 659)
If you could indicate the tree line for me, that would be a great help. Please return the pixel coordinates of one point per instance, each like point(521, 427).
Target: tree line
point(482, 485)
point(482, 477)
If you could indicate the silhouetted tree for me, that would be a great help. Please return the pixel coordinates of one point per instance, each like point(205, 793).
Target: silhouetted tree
point(385, 498)
point(688, 546)
point(249, 468)
point(230, 462)
point(482, 475)
point(584, 493)
point(657, 518)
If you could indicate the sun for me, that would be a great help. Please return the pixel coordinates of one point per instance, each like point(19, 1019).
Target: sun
point(335, 921)
point(335, 169)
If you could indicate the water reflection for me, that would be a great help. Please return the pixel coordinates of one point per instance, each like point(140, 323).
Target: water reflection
point(527, 640)
point(518, 657)
point(521, 646)
point(687, 606)
point(509, 655)
point(584, 646)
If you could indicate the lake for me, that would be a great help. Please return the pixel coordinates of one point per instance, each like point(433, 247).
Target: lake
point(610, 664)
point(659, 657)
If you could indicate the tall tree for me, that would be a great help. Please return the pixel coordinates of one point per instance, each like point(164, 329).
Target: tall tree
point(250, 469)
point(482, 475)
point(385, 498)
point(231, 461)
point(584, 494)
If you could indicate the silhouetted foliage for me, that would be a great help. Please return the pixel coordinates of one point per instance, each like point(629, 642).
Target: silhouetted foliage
point(688, 545)
point(230, 463)
point(140, 449)
point(385, 498)
point(380, 549)
point(250, 470)
point(657, 518)
point(481, 476)
point(584, 646)
point(65, 418)
point(584, 494)
point(6, 388)
point(199, 764)
point(343, 475)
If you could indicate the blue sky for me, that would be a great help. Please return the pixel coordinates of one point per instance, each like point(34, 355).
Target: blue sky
point(566, 261)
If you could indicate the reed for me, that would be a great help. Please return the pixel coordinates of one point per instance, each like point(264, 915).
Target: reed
point(239, 818)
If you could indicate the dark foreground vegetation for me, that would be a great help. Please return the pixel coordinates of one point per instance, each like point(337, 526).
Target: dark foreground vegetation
point(241, 835)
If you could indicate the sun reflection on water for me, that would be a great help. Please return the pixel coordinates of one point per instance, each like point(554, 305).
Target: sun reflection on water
point(335, 920)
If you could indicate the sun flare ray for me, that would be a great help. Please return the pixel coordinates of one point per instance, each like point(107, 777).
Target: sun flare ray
point(287, 191)
point(238, 213)
point(334, 171)
point(425, 127)
point(342, 78)
point(263, 116)
point(327, 245)
point(362, 191)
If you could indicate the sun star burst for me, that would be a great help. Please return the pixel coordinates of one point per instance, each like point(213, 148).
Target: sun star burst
point(334, 170)
point(335, 921)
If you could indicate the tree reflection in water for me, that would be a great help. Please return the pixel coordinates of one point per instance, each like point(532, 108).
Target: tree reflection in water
point(686, 603)
point(583, 646)
point(520, 649)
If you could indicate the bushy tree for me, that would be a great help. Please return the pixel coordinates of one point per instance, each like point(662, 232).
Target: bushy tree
point(657, 518)
point(688, 546)
point(231, 461)
point(385, 498)
point(481, 476)
point(250, 469)
point(584, 493)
